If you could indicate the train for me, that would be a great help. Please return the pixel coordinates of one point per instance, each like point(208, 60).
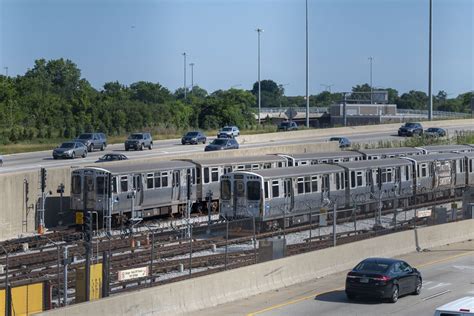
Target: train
point(172, 188)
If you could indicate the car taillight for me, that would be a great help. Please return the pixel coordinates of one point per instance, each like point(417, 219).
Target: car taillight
point(350, 276)
point(383, 278)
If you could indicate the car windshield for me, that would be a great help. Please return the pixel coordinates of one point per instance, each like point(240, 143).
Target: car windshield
point(105, 157)
point(335, 139)
point(192, 134)
point(136, 136)
point(67, 145)
point(285, 124)
point(85, 136)
point(227, 129)
point(373, 266)
point(410, 125)
point(219, 142)
point(431, 129)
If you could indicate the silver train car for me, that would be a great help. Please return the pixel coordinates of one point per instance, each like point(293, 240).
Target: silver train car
point(384, 153)
point(323, 157)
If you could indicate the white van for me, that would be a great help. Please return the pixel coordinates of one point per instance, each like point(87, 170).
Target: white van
point(461, 307)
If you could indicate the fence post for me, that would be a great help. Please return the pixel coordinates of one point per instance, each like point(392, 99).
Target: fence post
point(254, 241)
point(226, 241)
point(334, 223)
point(190, 248)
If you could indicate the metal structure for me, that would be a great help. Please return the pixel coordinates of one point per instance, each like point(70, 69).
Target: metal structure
point(371, 59)
point(430, 66)
point(259, 30)
point(307, 69)
point(184, 85)
point(192, 76)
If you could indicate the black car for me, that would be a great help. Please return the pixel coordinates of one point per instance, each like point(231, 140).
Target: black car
point(383, 278)
point(435, 132)
point(112, 157)
point(287, 126)
point(222, 144)
point(410, 129)
point(193, 138)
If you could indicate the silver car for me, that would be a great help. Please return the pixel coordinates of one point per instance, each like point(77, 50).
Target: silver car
point(70, 150)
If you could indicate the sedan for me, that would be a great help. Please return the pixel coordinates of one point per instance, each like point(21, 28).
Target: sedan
point(112, 157)
point(435, 132)
point(383, 278)
point(193, 138)
point(222, 144)
point(343, 141)
point(70, 150)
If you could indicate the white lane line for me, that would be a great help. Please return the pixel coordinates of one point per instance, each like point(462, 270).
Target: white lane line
point(425, 283)
point(438, 285)
point(436, 295)
point(463, 267)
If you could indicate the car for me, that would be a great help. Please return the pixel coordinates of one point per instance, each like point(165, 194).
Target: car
point(410, 129)
point(435, 132)
point(343, 141)
point(222, 144)
point(93, 141)
point(229, 132)
point(112, 157)
point(460, 307)
point(70, 150)
point(287, 126)
point(383, 278)
point(139, 141)
point(194, 137)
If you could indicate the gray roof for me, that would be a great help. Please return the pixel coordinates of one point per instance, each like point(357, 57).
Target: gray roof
point(235, 160)
point(296, 171)
point(143, 167)
point(393, 151)
point(447, 148)
point(364, 164)
point(432, 157)
point(321, 155)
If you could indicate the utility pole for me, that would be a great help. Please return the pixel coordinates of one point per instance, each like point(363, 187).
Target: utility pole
point(307, 70)
point(371, 59)
point(184, 55)
point(259, 86)
point(192, 76)
point(430, 66)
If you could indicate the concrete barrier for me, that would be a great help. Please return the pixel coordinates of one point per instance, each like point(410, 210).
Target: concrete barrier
point(14, 220)
point(209, 291)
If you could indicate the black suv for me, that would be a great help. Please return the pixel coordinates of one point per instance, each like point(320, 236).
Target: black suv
point(287, 126)
point(139, 141)
point(93, 141)
point(410, 129)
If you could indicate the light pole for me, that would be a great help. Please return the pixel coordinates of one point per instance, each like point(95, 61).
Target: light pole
point(259, 30)
point(307, 70)
point(327, 86)
point(192, 76)
point(371, 59)
point(430, 66)
point(184, 55)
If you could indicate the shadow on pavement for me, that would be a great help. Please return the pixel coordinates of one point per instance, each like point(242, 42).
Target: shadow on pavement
point(340, 297)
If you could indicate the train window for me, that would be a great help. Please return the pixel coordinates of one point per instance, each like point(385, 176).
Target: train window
point(280, 165)
point(225, 189)
point(193, 176)
point(407, 173)
point(157, 180)
point(76, 184)
point(100, 185)
point(123, 184)
point(253, 190)
point(240, 167)
point(114, 184)
point(424, 170)
point(314, 183)
point(267, 165)
point(300, 185)
point(307, 184)
point(338, 182)
point(164, 179)
point(198, 175)
point(215, 174)
point(353, 183)
point(303, 163)
point(206, 175)
point(265, 184)
point(359, 178)
point(240, 189)
point(150, 179)
point(387, 175)
point(470, 165)
point(461, 165)
point(275, 189)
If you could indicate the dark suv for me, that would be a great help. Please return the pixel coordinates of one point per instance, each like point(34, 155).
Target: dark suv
point(93, 141)
point(139, 141)
point(287, 126)
point(410, 129)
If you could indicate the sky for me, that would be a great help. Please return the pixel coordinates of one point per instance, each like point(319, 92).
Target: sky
point(134, 40)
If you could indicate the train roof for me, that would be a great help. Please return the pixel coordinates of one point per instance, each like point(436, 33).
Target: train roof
point(436, 156)
point(394, 150)
point(296, 171)
point(143, 167)
point(447, 148)
point(331, 154)
point(363, 164)
point(235, 160)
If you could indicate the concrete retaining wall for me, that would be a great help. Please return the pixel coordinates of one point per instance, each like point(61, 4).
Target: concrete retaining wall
point(208, 291)
point(12, 190)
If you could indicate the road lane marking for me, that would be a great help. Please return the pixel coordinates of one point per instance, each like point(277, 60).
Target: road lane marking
point(438, 285)
point(436, 295)
point(463, 267)
point(341, 288)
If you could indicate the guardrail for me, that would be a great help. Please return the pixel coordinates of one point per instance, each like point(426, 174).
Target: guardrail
point(299, 110)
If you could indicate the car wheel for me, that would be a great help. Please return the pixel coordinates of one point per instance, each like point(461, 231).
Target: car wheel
point(53, 158)
point(142, 147)
point(150, 147)
point(394, 296)
point(127, 149)
point(350, 296)
point(102, 147)
point(73, 155)
point(419, 285)
point(183, 143)
point(89, 149)
point(204, 141)
point(84, 155)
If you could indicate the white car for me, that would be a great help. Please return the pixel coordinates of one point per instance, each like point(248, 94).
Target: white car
point(461, 307)
point(228, 132)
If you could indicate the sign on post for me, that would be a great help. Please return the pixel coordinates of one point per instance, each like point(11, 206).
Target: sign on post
point(95, 289)
point(130, 274)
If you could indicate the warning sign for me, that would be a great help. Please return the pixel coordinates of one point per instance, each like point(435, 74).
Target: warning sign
point(132, 274)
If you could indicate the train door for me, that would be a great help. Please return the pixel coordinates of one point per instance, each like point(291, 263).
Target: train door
point(240, 203)
point(138, 189)
point(288, 195)
point(175, 185)
point(89, 189)
point(325, 190)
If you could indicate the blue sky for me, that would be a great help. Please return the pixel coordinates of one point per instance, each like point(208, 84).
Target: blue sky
point(132, 40)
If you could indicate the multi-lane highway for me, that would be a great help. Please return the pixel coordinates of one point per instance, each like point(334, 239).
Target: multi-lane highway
point(448, 274)
point(28, 161)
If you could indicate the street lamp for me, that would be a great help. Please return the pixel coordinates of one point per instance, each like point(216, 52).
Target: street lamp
point(259, 30)
point(184, 55)
point(192, 76)
point(371, 59)
point(430, 66)
point(307, 70)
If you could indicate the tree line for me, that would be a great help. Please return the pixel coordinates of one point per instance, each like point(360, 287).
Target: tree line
point(51, 100)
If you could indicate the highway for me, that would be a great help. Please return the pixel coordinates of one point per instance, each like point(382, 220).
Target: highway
point(34, 160)
point(448, 274)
